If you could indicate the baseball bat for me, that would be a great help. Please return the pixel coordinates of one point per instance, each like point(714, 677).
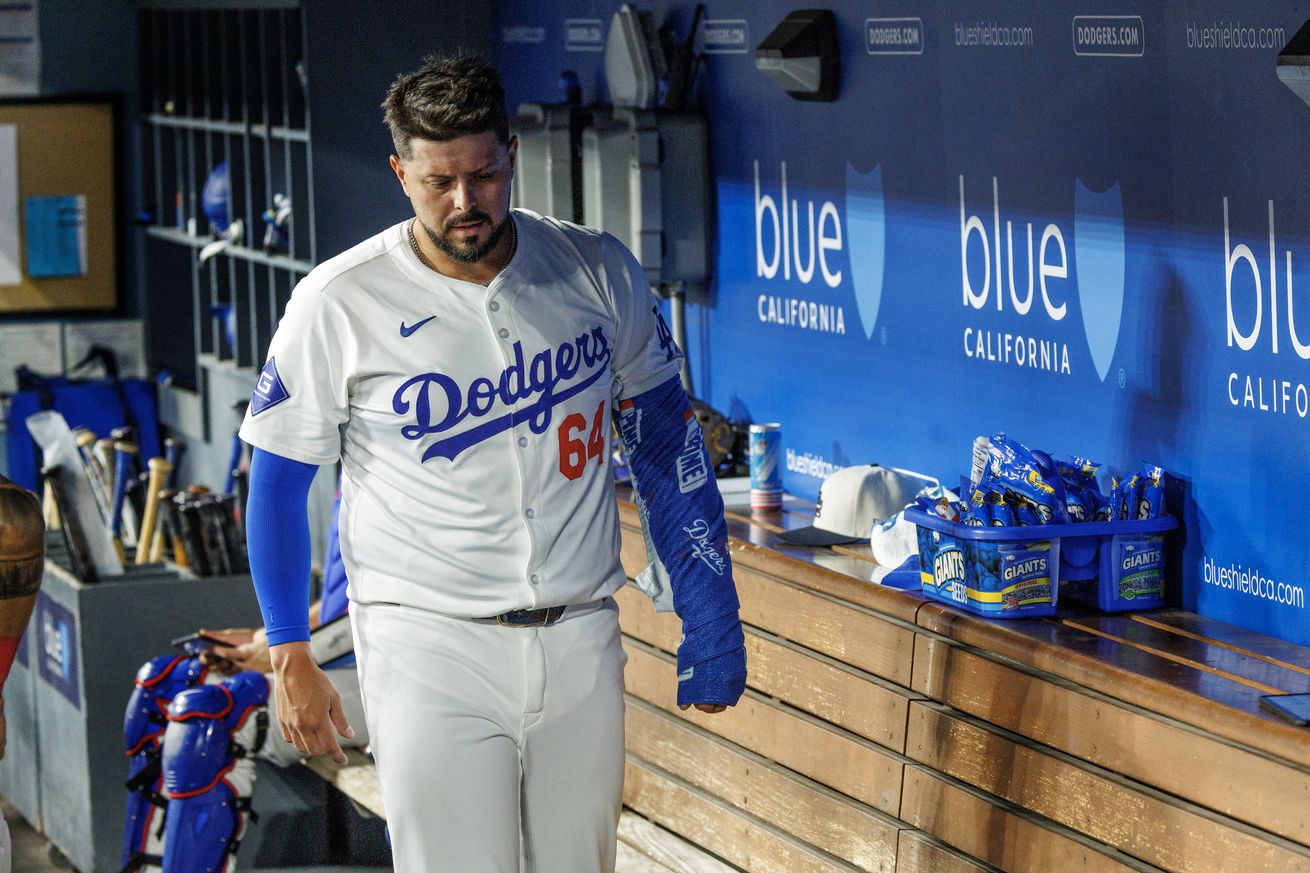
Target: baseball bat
point(190, 525)
point(159, 469)
point(49, 509)
point(104, 453)
point(213, 535)
point(86, 441)
point(174, 449)
point(123, 452)
point(174, 521)
point(129, 513)
point(233, 534)
point(79, 550)
point(59, 448)
point(162, 538)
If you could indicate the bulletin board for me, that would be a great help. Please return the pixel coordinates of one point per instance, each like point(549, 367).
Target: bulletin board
point(61, 202)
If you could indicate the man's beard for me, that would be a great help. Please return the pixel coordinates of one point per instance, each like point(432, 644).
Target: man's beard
point(467, 253)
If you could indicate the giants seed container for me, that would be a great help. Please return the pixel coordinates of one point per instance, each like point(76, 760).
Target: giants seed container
point(1021, 572)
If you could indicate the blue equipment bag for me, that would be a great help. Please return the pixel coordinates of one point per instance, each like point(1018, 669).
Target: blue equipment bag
point(98, 404)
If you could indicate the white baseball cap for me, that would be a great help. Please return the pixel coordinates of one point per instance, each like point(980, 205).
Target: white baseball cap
point(852, 499)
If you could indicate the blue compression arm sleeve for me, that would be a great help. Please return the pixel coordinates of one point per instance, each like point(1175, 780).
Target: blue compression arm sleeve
point(682, 509)
point(277, 537)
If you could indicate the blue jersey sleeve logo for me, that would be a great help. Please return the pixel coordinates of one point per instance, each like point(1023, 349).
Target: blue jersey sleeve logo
point(269, 390)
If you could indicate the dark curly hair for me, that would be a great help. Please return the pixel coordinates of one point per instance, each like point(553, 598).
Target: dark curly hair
point(446, 98)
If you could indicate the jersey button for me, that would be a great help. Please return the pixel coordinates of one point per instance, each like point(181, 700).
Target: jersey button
point(523, 442)
point(534, 579)
point(504, 332)
point(530, 512)
point(493, 306)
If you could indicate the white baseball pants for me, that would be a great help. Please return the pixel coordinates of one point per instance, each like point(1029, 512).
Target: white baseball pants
point(499, 749)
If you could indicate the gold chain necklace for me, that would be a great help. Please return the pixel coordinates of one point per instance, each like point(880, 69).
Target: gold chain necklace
point(418, 252)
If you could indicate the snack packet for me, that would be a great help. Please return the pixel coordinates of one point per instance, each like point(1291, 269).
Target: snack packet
point(979, 508)
point(1002, 512)
point(1026, 513)
point(1030, 474)
point(1082, 497)
point(1151, 502)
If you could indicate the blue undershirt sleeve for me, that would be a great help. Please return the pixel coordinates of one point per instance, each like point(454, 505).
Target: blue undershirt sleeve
point(277, 537)
point(682, 513)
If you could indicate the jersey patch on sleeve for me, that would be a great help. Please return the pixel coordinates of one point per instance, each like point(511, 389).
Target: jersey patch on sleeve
point(269, 390)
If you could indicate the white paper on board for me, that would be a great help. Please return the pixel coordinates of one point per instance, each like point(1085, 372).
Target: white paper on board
point(10, 263)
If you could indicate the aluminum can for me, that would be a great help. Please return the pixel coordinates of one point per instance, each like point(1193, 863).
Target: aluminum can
point(766, 466)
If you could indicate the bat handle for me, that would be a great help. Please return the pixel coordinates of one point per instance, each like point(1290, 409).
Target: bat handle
point(123, 456)
point(160, 535)
point(159, 469)
point(173, 451)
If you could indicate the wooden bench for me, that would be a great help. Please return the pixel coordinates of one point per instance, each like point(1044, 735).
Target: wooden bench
point(885, 732)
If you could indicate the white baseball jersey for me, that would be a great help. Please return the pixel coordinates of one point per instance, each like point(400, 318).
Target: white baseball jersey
point(472, 422)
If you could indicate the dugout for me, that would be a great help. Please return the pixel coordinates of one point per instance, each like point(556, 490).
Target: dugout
point(891, 230)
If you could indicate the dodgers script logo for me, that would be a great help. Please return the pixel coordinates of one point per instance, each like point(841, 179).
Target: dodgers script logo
point(1098, 231)
point(866, 223)
point(702, 547)
point(439, 403)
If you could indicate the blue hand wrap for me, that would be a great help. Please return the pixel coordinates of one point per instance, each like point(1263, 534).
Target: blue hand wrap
point(277, 537)
point(682, 513)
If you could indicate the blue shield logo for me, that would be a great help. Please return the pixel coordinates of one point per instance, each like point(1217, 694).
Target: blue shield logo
point(1098, 227)
point(866, 241)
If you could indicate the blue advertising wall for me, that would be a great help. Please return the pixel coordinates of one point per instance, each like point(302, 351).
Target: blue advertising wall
point(1086, 225)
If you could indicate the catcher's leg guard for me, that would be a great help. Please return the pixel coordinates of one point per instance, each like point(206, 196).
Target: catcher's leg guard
point(157, 683)
point(208, 772)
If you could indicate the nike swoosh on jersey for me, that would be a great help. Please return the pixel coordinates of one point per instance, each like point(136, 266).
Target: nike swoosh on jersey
point(407, 330)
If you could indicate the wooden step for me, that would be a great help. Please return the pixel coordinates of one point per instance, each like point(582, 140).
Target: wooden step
point(742, 839)
point(645, 847)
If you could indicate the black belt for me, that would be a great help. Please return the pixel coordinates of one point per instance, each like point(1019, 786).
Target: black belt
point(530, 617)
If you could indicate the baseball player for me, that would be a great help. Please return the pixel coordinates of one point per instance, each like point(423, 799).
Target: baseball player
point(463, 365)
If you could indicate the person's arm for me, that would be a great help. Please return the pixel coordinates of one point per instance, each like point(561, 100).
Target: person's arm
point(277, 538)
point(679, 501)
point(246, 648)
point(682, 511)
point(22, 562)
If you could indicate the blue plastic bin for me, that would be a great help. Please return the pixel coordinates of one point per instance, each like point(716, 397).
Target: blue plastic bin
point(1021, 572)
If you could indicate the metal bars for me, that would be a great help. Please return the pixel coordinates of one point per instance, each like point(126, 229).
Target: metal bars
point(226, 85)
